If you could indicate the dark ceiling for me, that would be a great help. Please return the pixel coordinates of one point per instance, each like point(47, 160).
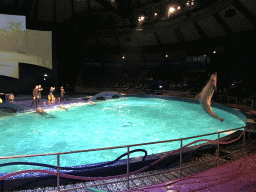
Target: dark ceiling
point(95, 14)
point(92, 24)
point(99, 31)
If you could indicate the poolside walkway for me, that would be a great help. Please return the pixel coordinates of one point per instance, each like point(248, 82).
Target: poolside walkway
point(239, 175)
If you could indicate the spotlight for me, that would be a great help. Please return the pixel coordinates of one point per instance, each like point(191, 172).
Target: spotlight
point(179, 7)
point(166, 55)
point(171, 9)
point(141, 18)
point(155, 14)
point(45, 75)
point(123, 57)
point(214, 51)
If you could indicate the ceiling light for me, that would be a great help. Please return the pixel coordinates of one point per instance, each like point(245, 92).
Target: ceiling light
point(141, 18)
point(171, 9)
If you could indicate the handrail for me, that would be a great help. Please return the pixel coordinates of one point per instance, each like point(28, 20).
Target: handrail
point(78, 177)
point(117, 147)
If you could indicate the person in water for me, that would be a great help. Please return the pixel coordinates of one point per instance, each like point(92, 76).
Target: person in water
point(92, 103)
point(40, 111)
point(62, 107)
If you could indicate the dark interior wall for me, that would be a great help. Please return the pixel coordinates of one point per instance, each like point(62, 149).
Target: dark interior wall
point(29, 76)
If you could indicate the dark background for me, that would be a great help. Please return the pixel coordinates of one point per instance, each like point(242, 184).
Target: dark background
point(90, 37)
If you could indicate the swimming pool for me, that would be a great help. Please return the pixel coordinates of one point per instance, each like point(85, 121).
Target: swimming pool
point(124, 121)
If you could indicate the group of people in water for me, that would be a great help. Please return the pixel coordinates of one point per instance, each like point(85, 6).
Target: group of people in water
point(37, 98)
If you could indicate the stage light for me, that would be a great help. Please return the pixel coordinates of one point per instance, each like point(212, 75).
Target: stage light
point(166, 55)
point(214, 51)
point(123, 57)
point(160, 87)
point(141, 18)
point(171, 9)
point(155, 14)
point(45, 75)
point(179, 7)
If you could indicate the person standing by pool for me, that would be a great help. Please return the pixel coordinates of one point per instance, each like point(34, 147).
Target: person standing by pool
point(39, 94)
point(51, 94)
point(35, 96)
point(61, 93)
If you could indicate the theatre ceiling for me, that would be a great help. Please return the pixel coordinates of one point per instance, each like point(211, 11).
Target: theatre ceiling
point(124, 24)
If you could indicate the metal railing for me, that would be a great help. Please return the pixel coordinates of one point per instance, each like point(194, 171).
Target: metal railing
point(181, 140)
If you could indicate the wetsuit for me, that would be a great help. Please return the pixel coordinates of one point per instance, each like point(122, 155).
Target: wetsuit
point(39, 95)
point(35, 97)
point(61, 94)
point(50, 94)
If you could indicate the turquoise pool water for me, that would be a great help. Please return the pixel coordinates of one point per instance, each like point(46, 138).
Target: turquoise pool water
point(128, 120)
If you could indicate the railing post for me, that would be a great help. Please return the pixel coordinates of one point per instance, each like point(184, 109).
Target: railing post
point(244, 138)
point(218, 150)
point(58, 172)
point(128, 162)
point(180, 157)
